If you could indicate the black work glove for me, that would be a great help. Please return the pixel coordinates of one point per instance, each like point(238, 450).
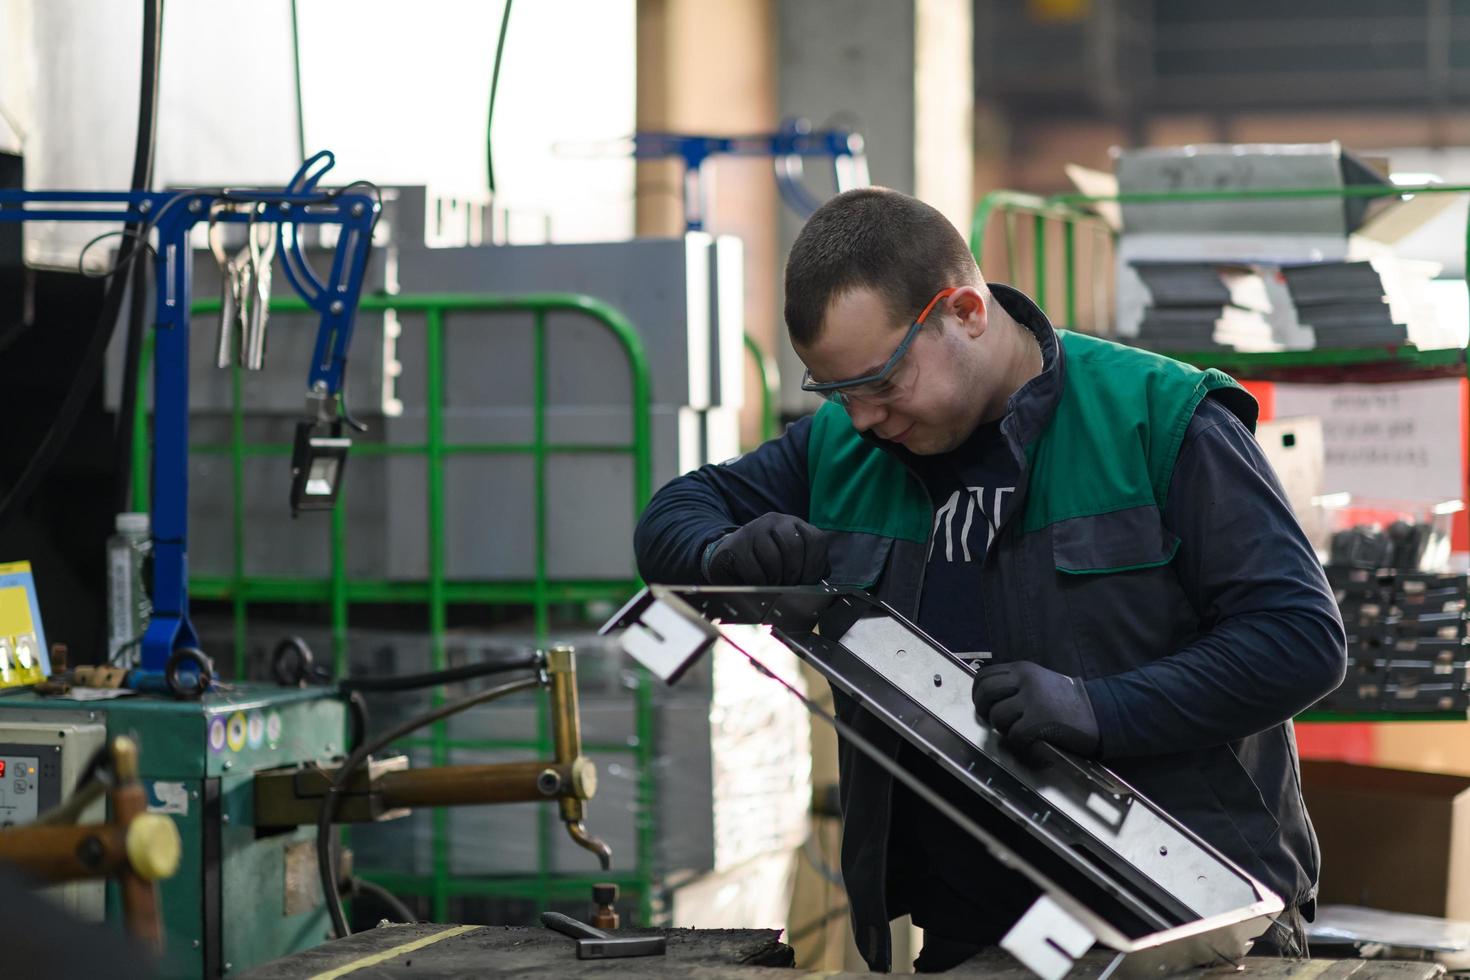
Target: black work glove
point(1028, 703)
point(773, 549)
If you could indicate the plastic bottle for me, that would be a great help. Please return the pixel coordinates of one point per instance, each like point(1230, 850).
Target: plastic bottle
point(129, 606)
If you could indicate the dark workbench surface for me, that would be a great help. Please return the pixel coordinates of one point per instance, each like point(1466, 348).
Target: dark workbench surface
point(701, 954)
point(519, 951)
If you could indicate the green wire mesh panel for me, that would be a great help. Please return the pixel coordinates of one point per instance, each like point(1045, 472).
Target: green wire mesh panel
point(340, 591)
point(1020, 231)
point(770, 387)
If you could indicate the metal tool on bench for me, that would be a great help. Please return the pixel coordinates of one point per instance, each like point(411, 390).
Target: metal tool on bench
point(1113, 867)
point(594, 944)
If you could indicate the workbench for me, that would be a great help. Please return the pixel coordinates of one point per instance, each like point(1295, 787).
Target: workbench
point(431, 951)
point(422, 952)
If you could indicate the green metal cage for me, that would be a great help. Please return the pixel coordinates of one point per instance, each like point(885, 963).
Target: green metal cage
point(340, 591)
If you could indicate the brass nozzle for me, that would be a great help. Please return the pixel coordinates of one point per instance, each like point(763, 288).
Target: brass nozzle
point(125, 758)
point(561, 659)
point(583, 839)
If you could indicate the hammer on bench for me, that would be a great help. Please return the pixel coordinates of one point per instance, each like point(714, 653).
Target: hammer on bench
point(594, 944)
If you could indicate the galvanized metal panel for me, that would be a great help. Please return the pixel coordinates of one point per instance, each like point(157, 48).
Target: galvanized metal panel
point(662, 285)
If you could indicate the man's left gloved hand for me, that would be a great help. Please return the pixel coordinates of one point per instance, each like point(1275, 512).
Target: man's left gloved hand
point(1028, 703)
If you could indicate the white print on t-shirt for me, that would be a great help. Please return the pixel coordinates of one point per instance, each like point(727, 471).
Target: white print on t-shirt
point(975, 500)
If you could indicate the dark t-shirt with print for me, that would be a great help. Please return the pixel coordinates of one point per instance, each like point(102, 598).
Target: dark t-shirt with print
point(936, 871)
point(969, 487)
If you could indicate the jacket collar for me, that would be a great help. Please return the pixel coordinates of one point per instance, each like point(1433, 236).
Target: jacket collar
point(1030, 407)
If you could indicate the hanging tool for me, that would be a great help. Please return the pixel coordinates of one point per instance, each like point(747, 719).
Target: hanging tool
point(245, 288)
point(233, 270)
point(262, 254)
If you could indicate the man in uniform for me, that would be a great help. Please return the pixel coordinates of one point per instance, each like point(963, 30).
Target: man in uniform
point(1094, 526)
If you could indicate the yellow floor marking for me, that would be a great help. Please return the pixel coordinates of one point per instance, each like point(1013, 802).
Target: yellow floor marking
point(388, 954)
point(1312, 968)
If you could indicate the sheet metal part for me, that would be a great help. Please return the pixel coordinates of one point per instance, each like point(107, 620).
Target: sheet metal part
point(1111, 864)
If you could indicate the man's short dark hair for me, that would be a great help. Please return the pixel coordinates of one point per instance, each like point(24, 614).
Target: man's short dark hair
point(877, 238)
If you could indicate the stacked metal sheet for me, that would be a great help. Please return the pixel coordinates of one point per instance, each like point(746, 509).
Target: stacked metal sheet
point(1407, 641)
point(1311, 238)
point(1346, 304)
point(1203, 306)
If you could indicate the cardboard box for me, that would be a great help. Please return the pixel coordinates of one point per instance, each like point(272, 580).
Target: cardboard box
point(1391, 839)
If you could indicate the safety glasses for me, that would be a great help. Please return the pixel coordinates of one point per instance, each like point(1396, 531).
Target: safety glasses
point(878, 385)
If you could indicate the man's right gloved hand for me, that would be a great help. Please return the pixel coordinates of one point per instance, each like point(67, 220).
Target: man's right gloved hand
point(773, 549)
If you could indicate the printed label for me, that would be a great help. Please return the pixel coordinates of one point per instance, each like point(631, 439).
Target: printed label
point(168, 798)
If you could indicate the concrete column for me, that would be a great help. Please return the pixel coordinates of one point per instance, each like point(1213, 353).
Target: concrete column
point(710, 68)
point(901, 74)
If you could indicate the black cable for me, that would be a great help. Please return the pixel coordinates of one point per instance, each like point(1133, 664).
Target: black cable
point(142, 247)
point(326, 863)
point(411, 682)
point(90, 365)
point(357, 715)
point(393, 902)
point(148, 96)
point(494, 85)
point(142, 180)
point(122, 456)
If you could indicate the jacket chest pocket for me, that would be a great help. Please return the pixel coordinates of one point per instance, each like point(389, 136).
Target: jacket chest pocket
point(1115, 592)
point(857, 558)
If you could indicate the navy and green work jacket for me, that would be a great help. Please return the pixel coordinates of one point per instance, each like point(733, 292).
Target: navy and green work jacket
point(1149, 550)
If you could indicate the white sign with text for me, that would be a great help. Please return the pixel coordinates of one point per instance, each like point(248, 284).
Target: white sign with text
point(1398, 441)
